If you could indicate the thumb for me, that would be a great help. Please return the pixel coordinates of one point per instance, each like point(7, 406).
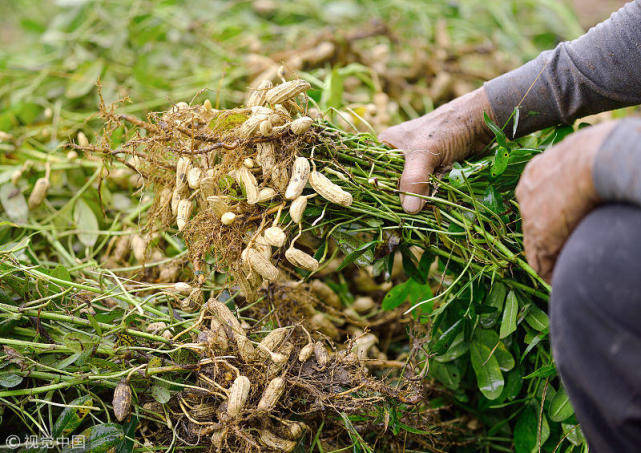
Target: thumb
point(419, 165)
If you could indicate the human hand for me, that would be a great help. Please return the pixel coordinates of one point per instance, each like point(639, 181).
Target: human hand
point(555, 192)
point(448, 134)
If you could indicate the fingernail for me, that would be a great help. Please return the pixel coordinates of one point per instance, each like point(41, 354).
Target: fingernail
point(411, 204)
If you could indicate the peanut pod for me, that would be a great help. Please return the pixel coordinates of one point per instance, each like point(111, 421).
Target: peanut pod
point(184, 212)
point(227, 218)
point(272, 341)
point(257, 97)
point(271, 394)
point(194, 176)
point(301, 259)
point(274, 442)
point(326, 294)
point(321, 354)
point(297, 208)
point(328, 190)
point(266, 194)
point(301, 125)
point(275, 236)
point(298, 180)
point(266, 157)
point(238, 394)
point(306, 352)
point(122, 400)
point(286, 90)
point(261, 265)
point(248, 181)
point(38, 193)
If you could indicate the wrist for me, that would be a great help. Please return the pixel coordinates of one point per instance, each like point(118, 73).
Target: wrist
point(467, 133)
point(482, 106)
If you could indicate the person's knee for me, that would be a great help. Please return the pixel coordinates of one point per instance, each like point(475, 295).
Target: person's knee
point(572, 284)
point(595, 319)
point(596, 276)
point(582, 264)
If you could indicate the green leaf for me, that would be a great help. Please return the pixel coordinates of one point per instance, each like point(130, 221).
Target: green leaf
point(60, 272)
point(10, 380)
point(508, 324)
point(560, 406)
point(513, 385)
point(447, 337)
point(348, 242)
point(349, 259)
point(544, 371)
point(501, 159)
point(501, 139)
point(488, 374)
point(98, 439)
point(127, 444)
point(395, 296)
point(526, 431)
point(460, 173)
point(333, 91)
point(84, 79)
point(504, 358)
point(493, 200)
point(561, 132)
point(86, 222)
point(532, 344)
point(409, 265)
point(72, 416)
point(32, 25)
point(573, 434)
point(425, 263)
point(537, 318)
point(418, 292)
point(495, 298)
point(27, 112)
point(446, 373)
point(456, 175)
point(160, 393)
point(491, 340)
point(78, 341)
point(458, 347)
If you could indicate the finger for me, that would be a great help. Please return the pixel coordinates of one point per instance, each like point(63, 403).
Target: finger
point(390, 139)
point(531, 252)
point(419, 165)
point(547, 267)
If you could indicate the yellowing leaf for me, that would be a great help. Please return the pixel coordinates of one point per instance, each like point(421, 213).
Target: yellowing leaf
point(14, 203)
point(86, 223)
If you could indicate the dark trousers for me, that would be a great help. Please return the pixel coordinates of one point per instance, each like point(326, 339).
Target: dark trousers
point(595, 326)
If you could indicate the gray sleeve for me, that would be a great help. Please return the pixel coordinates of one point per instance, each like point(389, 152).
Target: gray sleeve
point(599, 71)
point(617, 165)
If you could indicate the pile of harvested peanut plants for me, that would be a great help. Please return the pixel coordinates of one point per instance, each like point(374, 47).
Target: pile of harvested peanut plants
point(237, 185)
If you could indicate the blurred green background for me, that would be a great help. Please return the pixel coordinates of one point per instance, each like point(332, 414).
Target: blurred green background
point(160, 52)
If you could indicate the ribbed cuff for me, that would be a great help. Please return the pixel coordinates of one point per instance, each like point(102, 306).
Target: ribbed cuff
point(617, 165)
